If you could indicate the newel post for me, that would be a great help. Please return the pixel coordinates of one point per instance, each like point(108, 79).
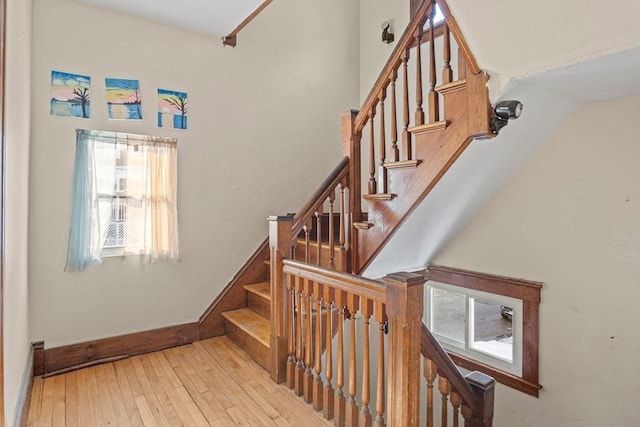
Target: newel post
point(280, 228)
point(351, 148)
point(405, 295)
point(483, 387)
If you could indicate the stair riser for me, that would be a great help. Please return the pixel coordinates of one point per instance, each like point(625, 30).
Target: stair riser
point(259, 304)
point(438, 151)
point(258, 351)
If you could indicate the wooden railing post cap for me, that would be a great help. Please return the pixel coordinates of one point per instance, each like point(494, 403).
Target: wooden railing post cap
point(280, 218)
point(404, 279)
point(483, 387)
point(480, 380)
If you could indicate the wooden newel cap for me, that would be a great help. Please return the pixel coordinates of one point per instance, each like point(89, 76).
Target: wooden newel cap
point(350, 113)
point(404, 279)
point(480, 380)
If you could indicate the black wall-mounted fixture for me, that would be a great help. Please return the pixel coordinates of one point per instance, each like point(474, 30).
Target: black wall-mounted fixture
point(387, 37)
point(503, 112)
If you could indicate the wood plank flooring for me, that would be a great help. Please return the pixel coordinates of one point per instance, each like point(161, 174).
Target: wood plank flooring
point(207, 383)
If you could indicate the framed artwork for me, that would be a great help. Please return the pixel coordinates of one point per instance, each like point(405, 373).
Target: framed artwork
point(70, 95)
point(172, 109)
point(123, 99)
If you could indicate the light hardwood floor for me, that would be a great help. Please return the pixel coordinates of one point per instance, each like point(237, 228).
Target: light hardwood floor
point(207, 383)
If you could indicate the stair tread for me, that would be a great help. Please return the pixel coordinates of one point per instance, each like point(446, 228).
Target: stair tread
point(379, 196)
point(429, 127)
point(262, 289)
point(323, 245)
point(363, 225)
point(402, 164)
point(250, 322)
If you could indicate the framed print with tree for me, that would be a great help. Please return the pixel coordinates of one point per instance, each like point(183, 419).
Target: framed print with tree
point(172, 109)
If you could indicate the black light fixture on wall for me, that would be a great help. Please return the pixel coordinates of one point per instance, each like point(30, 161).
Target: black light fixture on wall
point(503, 112)
point(387, 37)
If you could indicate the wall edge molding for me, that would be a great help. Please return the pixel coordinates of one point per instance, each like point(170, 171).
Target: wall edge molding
point(26, 385)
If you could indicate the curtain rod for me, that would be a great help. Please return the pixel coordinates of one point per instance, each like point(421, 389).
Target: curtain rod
point(104, 134)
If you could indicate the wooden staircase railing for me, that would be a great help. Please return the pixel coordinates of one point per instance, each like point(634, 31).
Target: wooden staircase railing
point(349, 375)
point(472, 396)
point(331, 197)
point(408, 149)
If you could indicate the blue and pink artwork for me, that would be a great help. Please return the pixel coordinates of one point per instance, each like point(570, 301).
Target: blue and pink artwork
point(70, 95)
point(123, 99)
point(172, 109)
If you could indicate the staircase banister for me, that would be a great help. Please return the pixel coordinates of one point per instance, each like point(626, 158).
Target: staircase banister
point(431, 349)
point(393, 62)
point(460, 40)
point(316, 199)
point(363, 287)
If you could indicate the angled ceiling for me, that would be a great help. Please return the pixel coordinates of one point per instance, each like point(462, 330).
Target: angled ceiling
point(216, 18)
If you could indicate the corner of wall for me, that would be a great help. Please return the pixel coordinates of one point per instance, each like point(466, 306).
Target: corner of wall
point(17, 129)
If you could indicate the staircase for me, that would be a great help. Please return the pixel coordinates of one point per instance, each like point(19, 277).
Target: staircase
point(316, 255)
point(249, 327)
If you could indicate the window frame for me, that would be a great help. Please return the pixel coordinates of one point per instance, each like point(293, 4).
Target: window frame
point(526, 291)
point(88, 230)
point(466, 347)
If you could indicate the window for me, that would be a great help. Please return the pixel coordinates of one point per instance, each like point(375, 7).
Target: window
point(486, 323)
point(124, 198)
point(474, 324)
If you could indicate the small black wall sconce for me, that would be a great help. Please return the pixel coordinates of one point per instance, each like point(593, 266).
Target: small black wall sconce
point(503, 112)
point(387, 37)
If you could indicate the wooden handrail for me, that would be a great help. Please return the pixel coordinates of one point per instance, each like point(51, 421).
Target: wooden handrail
point(366, 288)
point(431, 349)
point(400, 298)
point(393, 63)
point(318, 197)
point(231, 38)
point(407, 41)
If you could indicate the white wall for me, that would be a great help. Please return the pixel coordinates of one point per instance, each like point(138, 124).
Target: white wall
point(374, 53)
point(17, 106)
point(571, 219)
point(264, 130)
point(516, 38)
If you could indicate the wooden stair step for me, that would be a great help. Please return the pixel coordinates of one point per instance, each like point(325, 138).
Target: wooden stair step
point(402, 164)
point(259, 298)
point(314, 244)
point(251, 332)
point(363, 225)
point(379, 196)
point(451, 87)
point(262, 289)
point(429, 127)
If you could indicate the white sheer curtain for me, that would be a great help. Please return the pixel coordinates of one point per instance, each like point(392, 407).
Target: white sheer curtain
point(137, 187)
point(151, 187)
